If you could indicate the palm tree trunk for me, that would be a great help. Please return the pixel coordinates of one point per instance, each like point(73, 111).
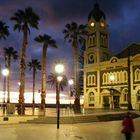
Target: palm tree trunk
point(58, 102)
point(8, 82)
point(76, 76)
point(21, 107)
point(43, 90)
point(34, 71)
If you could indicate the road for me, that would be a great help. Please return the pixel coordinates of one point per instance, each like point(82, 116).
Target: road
point(88, 131)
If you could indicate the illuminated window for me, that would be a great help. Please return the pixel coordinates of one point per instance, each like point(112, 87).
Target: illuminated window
point(137, 75)
point(91, 97)
point(125, 76)
point(125, 94)
point(104, 78)
point(91, 80)
point(119, 77)
point(108, 78)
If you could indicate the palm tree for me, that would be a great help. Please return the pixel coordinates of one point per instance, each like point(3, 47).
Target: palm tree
point(52, 80)
point(34, 65)
point(74, 34)
point(24, 20)
point(81, 73)
point(47, 41)
point(4, 32)
point(9, 54)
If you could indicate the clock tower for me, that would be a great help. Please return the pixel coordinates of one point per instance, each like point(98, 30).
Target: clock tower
point(96, 52)
point(97, 45)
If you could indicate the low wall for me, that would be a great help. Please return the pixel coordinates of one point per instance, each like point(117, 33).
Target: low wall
point(15, 119)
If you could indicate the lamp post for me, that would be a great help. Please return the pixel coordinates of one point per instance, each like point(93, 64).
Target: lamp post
point(59, 69)
point(5, 73)
point(112, 78)
point(129, 82)
point(70, 83)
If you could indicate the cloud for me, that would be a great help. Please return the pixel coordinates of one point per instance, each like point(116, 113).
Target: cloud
point(122, 16)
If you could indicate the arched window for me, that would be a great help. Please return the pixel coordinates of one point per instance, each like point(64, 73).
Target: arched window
point(104, 78)
point(111, 81)
point(137, 75)
point(125, 76)
point(138, 96)
point(118, 77)
point(108, 78)
point(91, 40)
point(125, 97)
point(94, 41)
point(91, 97)
point(125, 94)
point(121, 73)
point(115, 77)
point(91, 80)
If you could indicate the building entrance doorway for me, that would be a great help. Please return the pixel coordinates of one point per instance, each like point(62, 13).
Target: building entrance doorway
point(110, 98)
point(116, 101)
point(106, 102)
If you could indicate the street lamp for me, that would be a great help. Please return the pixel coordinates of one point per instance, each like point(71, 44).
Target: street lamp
point(59, 69)
point(19, 83)
point(5, 73)
point(71, 82)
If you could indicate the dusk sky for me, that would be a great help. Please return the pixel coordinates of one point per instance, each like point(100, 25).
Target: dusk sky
point(123, 18)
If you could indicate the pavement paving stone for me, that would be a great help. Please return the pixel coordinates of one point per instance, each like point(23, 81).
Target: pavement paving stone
point(87, 131)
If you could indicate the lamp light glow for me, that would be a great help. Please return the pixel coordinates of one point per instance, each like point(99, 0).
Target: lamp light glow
point(19, 83)
point(70, 82)
point(59, 78)
point(59, 68)
point(112, 77)
point(5, 72)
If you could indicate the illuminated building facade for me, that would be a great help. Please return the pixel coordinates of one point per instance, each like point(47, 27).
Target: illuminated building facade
point(106, 77)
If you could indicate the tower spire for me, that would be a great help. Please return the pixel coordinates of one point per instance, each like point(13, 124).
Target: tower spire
point(96, 13)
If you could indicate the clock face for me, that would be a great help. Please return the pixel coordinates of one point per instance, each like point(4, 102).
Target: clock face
point(92, 24)
point(91, 58)
point(102, 24)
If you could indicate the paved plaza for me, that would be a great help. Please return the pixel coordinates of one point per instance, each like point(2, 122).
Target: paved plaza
point(87, 131)
point(83, 131)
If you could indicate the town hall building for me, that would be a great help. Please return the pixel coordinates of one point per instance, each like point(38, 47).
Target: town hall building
point(108, 79)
